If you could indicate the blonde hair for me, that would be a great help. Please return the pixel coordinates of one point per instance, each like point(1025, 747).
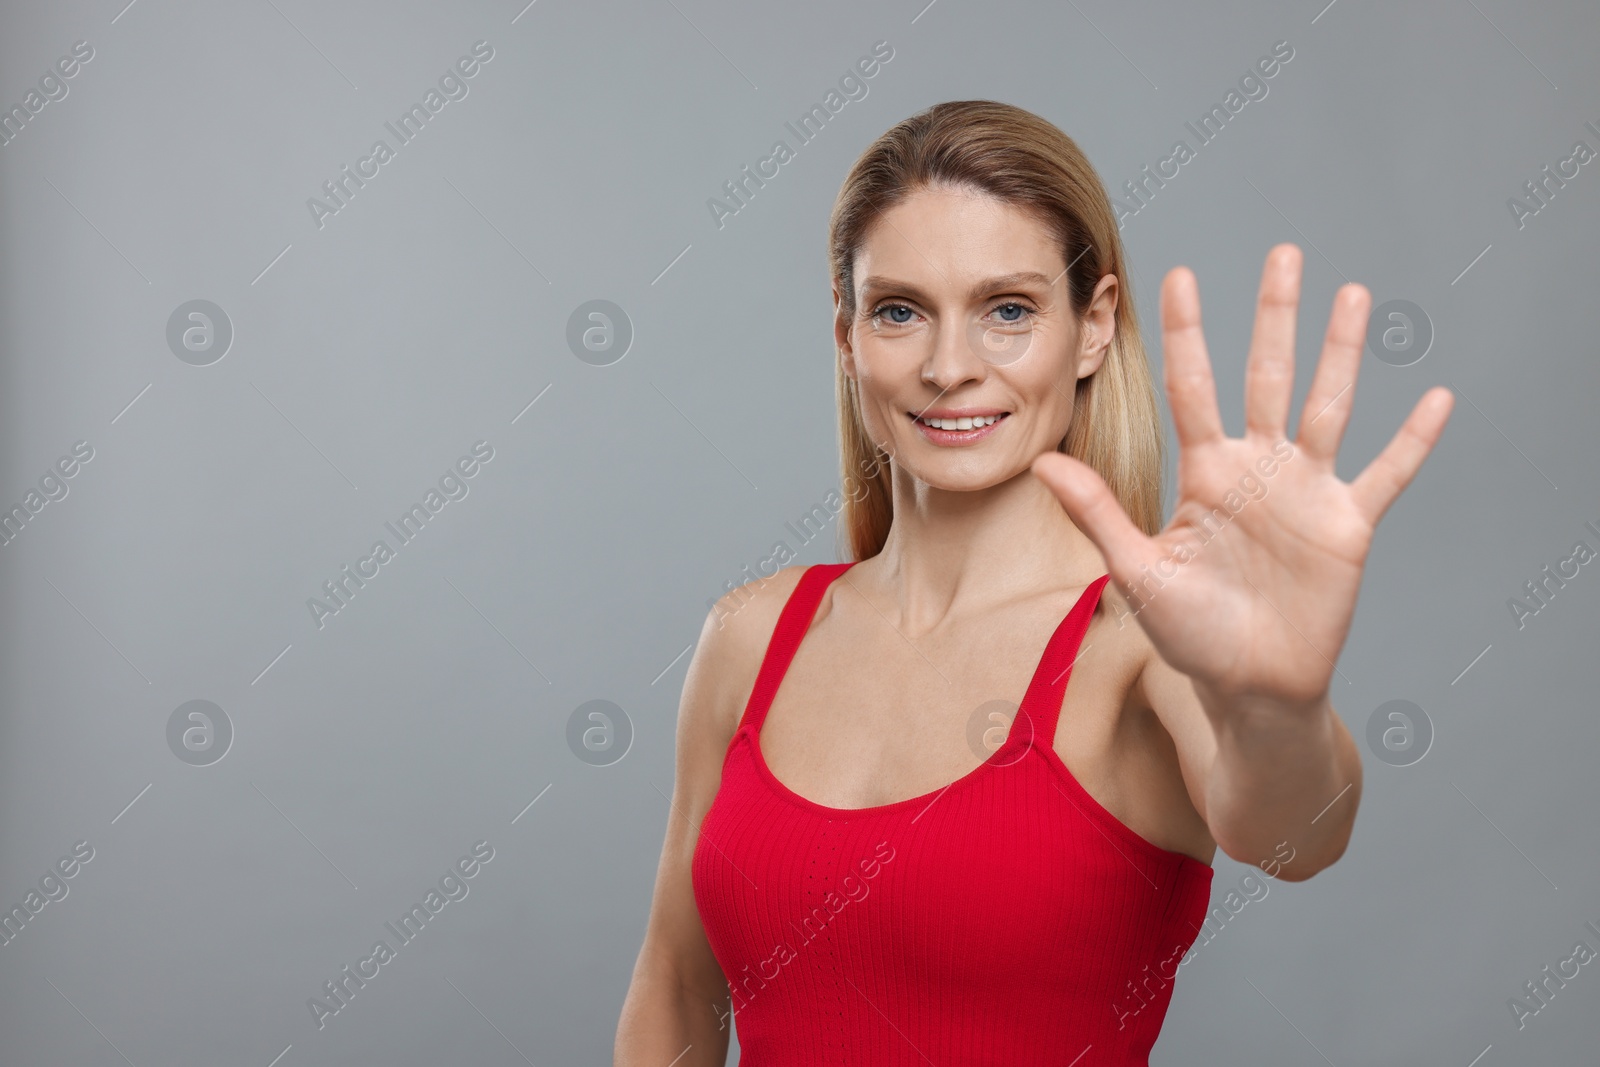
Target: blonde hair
point(1022, 159)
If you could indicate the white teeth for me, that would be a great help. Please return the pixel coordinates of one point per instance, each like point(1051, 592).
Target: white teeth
point(963, 423)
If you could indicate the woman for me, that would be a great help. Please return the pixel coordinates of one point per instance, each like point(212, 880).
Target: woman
point(926, 846)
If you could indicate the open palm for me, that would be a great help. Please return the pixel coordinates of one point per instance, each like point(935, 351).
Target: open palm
point(1251, 586)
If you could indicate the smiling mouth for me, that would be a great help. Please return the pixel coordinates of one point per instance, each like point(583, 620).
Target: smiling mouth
point(967, 424)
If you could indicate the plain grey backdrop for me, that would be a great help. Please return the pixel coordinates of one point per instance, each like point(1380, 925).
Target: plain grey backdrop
point(346, 360)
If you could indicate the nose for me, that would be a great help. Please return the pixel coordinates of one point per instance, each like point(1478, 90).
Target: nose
point(950, 360)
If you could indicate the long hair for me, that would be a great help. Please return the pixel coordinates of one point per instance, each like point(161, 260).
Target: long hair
point(1020, 158)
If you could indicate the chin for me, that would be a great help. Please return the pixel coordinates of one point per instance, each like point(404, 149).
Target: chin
point(962, 474)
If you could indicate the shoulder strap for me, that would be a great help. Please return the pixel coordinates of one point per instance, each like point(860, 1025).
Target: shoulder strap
point(1041, 705)
point(793, 622)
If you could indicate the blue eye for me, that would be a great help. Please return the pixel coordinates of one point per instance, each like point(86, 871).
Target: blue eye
point(1012, 305)
point(892, 309)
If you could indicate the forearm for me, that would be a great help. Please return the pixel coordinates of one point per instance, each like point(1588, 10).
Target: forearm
point(1281, 775)
point(666, 1022)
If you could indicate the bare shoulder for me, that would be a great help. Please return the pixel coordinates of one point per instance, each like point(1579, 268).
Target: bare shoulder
point(732, 643)
point(1149, 683)
point(1116, 626)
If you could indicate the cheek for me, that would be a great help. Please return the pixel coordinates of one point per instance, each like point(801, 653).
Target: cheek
point(880, 422)
point(1047, 387)
point(885, 371)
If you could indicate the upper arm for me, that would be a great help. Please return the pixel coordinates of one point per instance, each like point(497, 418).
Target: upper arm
point(1169, 693)
point(720, 678)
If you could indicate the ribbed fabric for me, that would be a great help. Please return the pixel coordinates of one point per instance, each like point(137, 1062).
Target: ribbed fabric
point(1006, 919)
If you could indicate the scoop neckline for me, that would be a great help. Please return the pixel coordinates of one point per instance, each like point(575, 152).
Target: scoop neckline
point(1091, 808)
point(753, 734)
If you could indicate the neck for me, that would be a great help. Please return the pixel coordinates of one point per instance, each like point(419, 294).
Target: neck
point(951, 551)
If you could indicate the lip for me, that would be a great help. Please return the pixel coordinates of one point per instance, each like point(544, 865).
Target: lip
point(958, 413)
point(957, 438)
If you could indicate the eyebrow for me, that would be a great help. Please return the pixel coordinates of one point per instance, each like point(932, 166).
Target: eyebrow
point(875, 284)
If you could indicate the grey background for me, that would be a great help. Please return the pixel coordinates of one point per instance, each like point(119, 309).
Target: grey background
point(426, 315)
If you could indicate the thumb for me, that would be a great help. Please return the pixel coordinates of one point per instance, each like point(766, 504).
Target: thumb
point(1093, 508)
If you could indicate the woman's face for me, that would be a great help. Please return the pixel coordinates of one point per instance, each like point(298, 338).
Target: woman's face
point(962, 314)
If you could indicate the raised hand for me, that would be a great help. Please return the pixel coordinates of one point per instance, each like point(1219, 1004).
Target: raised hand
point(1250, 589)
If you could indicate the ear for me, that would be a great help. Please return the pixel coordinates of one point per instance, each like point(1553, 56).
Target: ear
point(1097, 327)
point(841, 336)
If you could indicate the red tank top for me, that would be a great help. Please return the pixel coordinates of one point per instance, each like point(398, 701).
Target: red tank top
point(1007, 918)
